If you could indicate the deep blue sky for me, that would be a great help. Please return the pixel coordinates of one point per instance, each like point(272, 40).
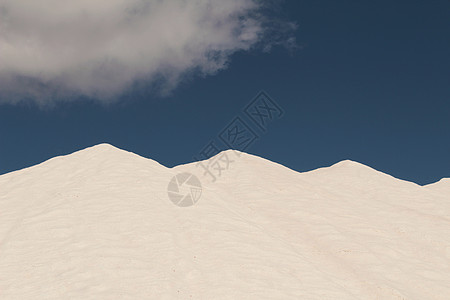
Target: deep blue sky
point(371, 83)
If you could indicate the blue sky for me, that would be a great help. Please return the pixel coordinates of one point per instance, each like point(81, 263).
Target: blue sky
point(369, 82)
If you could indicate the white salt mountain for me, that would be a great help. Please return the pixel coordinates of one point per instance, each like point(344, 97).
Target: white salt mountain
point(98, 224)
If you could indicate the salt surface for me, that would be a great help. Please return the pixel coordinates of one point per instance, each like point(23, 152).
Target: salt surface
point(98, 224)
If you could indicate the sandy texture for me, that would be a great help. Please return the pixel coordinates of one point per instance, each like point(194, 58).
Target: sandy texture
point(98, 224)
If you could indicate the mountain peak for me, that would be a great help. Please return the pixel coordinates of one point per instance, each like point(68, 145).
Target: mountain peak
point(101, 148)
point(347, 163)
point(346, 166)
point(100, 152)
point(102, 156)
point(104, 152)
point(353, 173)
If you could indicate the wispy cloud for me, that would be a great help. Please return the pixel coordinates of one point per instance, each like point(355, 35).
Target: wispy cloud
point(52, 49)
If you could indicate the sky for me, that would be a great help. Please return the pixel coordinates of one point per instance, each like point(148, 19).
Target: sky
point(367, 81)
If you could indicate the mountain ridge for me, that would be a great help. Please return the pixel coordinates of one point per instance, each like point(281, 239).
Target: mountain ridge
point(104, 151)
point(100, 224)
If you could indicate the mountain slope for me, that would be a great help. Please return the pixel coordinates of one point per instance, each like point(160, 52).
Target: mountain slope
point(99, 224)
point(442, 186)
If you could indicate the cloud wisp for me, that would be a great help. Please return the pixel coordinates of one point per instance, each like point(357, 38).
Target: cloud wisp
point(52, 49)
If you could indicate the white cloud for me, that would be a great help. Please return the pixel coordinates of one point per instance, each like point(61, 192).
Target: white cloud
point(56, 49)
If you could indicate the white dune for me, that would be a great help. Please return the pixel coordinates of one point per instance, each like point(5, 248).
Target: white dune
point(98, 224)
